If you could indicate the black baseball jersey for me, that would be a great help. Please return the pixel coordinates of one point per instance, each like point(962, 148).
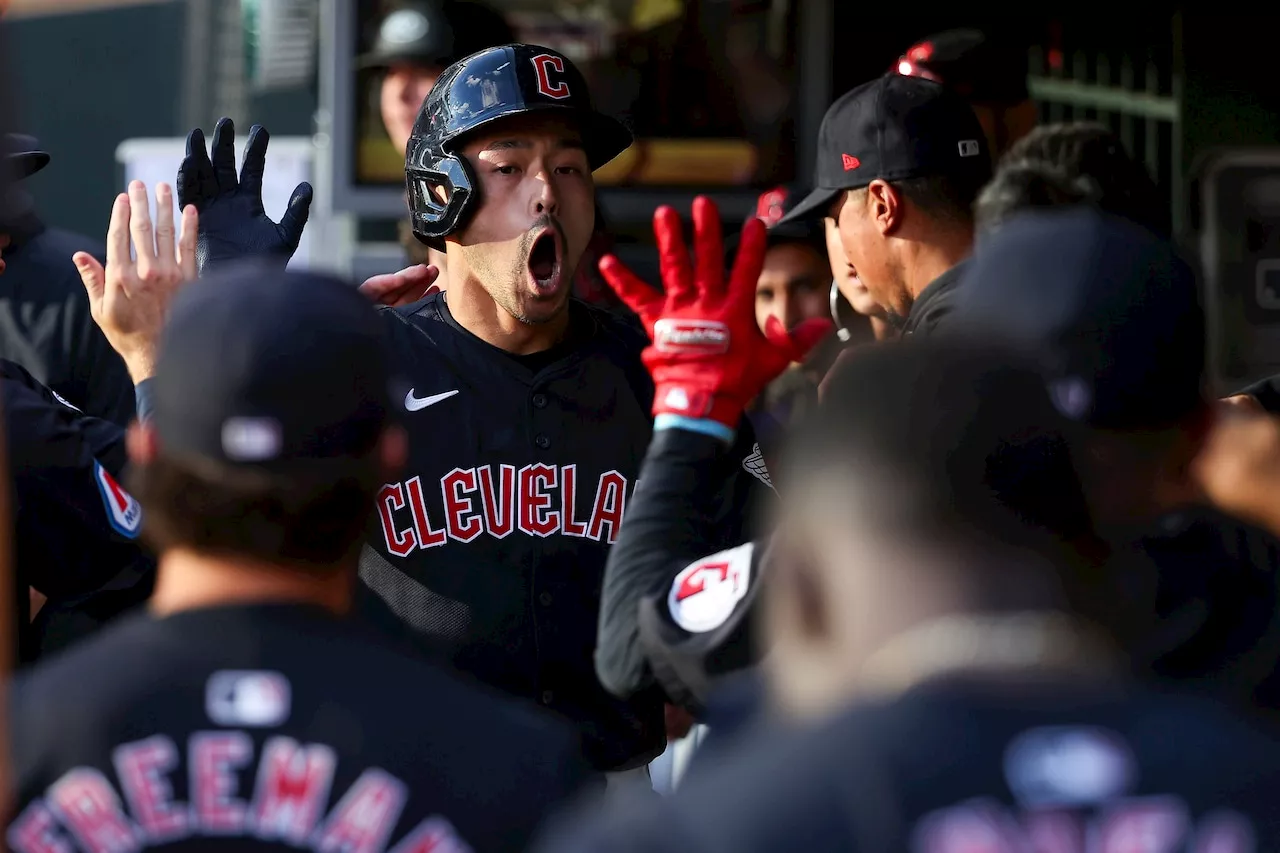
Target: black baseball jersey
point(670, 612)
point(494, 540)
point(75, 527)
point(273, 726)
point(45, 324)
point(974, 765)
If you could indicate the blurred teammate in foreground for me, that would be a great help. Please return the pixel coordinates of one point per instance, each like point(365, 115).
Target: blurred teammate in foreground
point(953, 696)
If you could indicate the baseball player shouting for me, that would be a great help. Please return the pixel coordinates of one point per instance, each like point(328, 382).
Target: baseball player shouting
point(528, 411)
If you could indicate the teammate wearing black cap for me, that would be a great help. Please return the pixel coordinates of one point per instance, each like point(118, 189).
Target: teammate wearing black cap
point(1117, 317)
point(794, 285)
point(900, 162)
point(414, 44)
point(952, 697)
point(243, 708)
point(529, 411)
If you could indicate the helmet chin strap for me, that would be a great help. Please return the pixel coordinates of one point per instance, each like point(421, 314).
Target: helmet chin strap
point(841, 332)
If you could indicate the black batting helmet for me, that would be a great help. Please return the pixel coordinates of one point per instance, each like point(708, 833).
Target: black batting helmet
point(514, 79)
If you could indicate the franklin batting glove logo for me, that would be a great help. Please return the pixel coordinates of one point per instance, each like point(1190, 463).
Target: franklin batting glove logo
point(690, 337)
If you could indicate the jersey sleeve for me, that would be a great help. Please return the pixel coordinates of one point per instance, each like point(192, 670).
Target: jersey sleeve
point(694, 497)
point(75, 525)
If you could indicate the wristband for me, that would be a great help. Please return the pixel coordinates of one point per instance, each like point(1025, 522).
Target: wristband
point(715, 429)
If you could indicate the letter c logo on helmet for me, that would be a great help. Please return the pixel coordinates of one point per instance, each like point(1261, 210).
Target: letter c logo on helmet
point(545, 64)
point(483, 88)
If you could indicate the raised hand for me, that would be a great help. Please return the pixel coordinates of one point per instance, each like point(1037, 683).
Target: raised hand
point(129, 298)
point(709, 358)
point(402, 288)
point(233, 223)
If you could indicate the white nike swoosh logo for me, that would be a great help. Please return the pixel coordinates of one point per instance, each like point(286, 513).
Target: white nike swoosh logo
point(413, 403)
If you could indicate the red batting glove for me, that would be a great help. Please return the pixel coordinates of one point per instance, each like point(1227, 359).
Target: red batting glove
point(709, 358)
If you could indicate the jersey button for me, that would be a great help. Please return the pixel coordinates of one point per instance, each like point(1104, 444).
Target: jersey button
point(542, 441)
point(547, 696)
point(545, 598)
point(540, 401)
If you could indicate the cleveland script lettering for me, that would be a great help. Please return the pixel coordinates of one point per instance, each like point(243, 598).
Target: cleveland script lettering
point(292, 788)
point(536, 500)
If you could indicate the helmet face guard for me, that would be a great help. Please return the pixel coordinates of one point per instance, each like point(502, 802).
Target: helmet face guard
point(433, 218)
point(485, 87)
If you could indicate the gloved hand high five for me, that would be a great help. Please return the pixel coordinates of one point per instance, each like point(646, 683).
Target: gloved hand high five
point(708, 358)
point(233, 223)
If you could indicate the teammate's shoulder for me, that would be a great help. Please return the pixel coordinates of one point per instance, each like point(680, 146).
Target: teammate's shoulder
point(426, 308)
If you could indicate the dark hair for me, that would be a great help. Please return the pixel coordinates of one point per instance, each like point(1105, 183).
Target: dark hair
point(942, 197)
point(1080, 163)
point(312, 519)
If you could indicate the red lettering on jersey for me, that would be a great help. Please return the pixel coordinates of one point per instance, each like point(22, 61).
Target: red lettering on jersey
point(214, 760)
point(91, 810)
point(1054, 832)
point(568, 502)
point(499, 507)
point(428, 536)
point(433, 835)
point(611, 499)
point(1151, 825)
point(970, 828)
point(460, 518)
point(363, 819)
point(536, 516)
point(545, 64)
point(141, 767)
point(35, 831)
point(292, 788)
point(390, 499)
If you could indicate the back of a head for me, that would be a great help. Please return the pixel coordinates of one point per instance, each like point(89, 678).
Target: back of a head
point(1110, 309)
point(942, 441)
point(1081, 163)
point(272, 395)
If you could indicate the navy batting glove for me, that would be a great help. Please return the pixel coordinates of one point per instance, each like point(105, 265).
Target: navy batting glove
point(233, 223)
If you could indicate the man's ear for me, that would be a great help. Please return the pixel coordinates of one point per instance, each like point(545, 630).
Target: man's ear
point(142, 443)
point(884, 206)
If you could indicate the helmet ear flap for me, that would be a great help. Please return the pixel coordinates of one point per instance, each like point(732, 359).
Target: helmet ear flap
point(435, 217)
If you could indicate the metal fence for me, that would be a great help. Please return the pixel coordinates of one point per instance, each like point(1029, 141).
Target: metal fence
point(1136, 91)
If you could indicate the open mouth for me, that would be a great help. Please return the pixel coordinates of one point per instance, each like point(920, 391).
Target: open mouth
point(544, 261)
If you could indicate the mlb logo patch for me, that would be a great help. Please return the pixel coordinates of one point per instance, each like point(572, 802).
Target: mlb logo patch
point(124, 513)
point(257, 699)
point(970, 148)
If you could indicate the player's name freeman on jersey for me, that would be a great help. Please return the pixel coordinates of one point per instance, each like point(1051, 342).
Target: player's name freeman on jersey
point(537, 500)
point(293, 785)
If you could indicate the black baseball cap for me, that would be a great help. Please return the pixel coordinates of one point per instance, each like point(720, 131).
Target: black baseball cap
point(982, 67)
point(436, 33)
point(271, 369)
point(771, 206)
point(1110, 309)
point(965, 430)
point(894, 128)
point(22, 155)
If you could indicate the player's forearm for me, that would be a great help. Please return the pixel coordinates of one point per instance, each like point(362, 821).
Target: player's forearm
point(668, 524)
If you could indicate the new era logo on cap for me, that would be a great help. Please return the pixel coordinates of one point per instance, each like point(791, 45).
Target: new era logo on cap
point(850, 163)
point(970, 148)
